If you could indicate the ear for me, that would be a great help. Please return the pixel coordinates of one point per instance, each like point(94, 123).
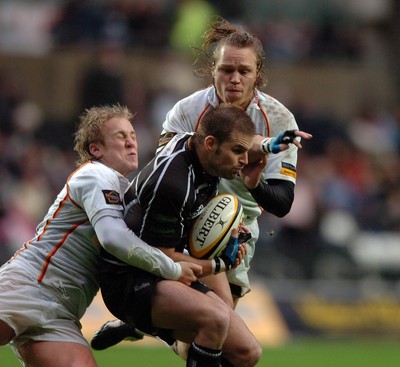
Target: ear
point(210, 143)
point(95, 150)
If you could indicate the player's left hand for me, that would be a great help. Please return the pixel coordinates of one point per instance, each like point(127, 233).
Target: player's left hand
point(240, 255)
point(230, 253)
point(243, 236)
point(236, 249)
point(283, 140)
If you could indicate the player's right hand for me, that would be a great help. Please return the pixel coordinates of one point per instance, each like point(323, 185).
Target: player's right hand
point(252, 172)
point(190, 272)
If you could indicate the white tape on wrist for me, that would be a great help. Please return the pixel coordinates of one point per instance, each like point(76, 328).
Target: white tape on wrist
point(264, 146)
point(217, 266)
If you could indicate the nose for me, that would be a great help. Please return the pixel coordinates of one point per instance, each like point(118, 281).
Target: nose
point(235, 77)
point(244, 158)
point(130, 141)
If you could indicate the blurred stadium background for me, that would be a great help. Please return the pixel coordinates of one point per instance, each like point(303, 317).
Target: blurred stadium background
point(329, 268)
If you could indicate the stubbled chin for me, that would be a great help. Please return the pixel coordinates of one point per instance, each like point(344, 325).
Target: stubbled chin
point(233, 95)
point(233, 99)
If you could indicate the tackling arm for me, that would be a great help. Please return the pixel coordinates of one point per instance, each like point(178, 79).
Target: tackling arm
point(122, 243)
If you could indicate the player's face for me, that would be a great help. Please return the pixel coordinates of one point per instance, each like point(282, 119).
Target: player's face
point(227, 159)
point(235, 74)
point(119, 150)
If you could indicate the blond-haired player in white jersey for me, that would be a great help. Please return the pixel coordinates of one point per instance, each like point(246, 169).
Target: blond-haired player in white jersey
point(47, 285)
point(235, 66)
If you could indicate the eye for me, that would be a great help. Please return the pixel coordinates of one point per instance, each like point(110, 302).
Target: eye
point(226, 70)
point(245, 71)
point(239, 150)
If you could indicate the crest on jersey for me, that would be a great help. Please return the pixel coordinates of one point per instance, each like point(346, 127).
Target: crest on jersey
point(112, 197)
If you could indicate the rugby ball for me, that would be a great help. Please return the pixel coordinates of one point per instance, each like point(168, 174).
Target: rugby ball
point(212, 229)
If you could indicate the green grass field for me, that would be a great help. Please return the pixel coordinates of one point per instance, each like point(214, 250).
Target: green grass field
point(298, 353)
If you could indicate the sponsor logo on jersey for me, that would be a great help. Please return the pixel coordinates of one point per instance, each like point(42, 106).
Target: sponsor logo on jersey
point(164, 139)
point(288, 170)
point(112, 197)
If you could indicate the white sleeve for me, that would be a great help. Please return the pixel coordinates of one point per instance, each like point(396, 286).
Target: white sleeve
point(126, 246)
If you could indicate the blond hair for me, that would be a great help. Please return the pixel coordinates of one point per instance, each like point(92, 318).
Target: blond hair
point(89, 129)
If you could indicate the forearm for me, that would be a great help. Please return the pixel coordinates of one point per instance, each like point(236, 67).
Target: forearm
point(122, 243)
point(205, 264)
point(275, 196)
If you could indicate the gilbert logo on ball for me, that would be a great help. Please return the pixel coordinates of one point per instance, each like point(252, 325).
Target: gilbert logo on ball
point(212, 229)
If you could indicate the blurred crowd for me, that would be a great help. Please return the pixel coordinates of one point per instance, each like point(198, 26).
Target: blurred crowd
point(290, 31)
point(351, 167)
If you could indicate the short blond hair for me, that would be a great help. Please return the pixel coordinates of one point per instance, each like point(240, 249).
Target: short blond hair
point(89, 129)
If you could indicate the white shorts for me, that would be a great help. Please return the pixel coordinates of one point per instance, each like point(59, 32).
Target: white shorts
point(239, 276)
point(35, 311)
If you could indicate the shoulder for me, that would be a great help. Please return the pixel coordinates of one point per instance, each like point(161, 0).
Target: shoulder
point(166, 166)
point(197, 99)
point(93, 174)
point(277, 113)
point(175, 144)
point(269, 102)
point(94, 186)
point(93, 168)
point(185, 114)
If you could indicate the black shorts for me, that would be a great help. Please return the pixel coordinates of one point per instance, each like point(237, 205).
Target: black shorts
point(127, 292)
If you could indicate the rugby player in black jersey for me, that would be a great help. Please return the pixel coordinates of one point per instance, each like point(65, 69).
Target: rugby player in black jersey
point(161, 204)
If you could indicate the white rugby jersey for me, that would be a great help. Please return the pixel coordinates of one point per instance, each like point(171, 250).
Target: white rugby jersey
point(269, 116)
point(65, 250)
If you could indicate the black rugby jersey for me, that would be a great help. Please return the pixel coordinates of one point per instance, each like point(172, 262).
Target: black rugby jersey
point(168, 194)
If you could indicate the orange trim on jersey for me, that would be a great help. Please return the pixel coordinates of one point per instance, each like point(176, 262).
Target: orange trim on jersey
point(56, 248)
point(19, 251)
point(266, 118)
point(69, 197)
point(200, 117)
point(67, 186)
point(60, 205)
point(60, 243)
point(62, 202)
